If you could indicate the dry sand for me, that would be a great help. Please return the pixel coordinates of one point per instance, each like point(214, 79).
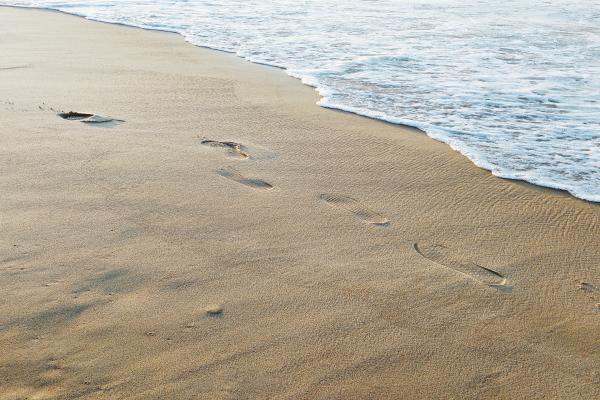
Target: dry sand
point(327, 257)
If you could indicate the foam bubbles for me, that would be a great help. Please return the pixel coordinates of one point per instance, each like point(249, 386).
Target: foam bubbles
point(515, 85)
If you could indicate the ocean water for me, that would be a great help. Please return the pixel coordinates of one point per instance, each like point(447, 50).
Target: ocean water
point(514, 85)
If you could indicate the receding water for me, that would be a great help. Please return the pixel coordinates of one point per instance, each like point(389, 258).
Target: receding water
point(514, 85)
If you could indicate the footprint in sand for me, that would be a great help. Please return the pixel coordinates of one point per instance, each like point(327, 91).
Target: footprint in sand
point(214, 310)
point(588, 287)
point(88, 118)
point(441, 255)
point(233, 148)
point(593, 293)
point(234, 175)
point(13, 67)
point(349, 204)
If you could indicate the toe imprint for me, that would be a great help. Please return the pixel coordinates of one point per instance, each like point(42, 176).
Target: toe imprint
point(233, 148)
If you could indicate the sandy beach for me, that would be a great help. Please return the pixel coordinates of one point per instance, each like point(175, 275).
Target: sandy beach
point(223, 237)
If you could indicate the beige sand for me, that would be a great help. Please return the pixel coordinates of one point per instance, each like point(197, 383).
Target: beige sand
point(327, 257)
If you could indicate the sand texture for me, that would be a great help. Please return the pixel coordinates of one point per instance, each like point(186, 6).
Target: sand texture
point(202, 230)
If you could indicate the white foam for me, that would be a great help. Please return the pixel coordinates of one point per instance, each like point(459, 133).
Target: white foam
point(514, 86)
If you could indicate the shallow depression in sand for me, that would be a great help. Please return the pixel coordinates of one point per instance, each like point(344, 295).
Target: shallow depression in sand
point(355, 208)
point(233, 148)
point(236, 176)
point(92, 119)
point(442, 255)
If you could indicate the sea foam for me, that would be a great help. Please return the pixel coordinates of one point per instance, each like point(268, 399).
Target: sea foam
point(513, 85)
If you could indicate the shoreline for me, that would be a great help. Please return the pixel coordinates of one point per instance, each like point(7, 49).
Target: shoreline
point(485, 166)
point(232, 239)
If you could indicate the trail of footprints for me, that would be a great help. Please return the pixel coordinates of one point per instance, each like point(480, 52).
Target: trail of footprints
point(436, 253)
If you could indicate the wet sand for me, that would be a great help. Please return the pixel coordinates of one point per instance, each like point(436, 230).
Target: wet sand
point(220, 236)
